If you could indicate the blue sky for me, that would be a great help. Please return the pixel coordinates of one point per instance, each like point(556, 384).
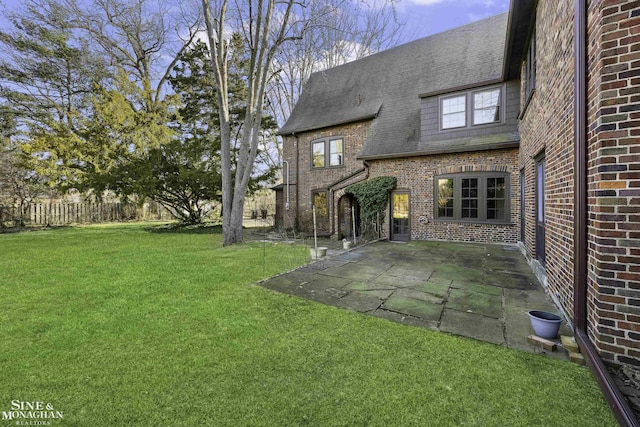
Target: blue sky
point(425, 17)
point(421, 17)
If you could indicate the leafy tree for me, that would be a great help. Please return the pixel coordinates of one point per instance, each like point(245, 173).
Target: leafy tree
point(123, 129)
point(88, 80)
point(182, 170)
point(181, 177)
point(48, 75)
point(18, 186)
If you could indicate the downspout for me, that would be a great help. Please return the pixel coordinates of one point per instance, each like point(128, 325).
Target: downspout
point(295, 222)
point(616, 400)
point(287, 203)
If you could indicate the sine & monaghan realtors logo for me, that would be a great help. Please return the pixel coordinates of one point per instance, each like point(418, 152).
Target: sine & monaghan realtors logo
point(24, 413)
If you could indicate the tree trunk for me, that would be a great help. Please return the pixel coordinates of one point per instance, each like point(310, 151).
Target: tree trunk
point(232, 229)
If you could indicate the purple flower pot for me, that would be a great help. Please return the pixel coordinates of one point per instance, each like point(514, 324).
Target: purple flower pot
point(545, 324)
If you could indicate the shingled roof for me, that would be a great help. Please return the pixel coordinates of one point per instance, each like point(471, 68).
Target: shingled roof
point(387, 85)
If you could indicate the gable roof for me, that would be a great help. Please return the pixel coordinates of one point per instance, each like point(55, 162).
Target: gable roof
point(388, 85)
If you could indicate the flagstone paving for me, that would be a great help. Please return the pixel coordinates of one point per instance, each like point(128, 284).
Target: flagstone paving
point(480, 291)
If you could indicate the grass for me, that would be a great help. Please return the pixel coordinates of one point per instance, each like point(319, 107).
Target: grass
point(121, 325)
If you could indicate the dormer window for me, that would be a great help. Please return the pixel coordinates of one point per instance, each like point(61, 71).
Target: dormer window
point(454, 112)
point(486, 106)
point(472, 108)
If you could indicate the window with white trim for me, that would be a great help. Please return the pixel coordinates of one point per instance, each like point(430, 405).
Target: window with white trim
point(486, 106)
point(454, 113)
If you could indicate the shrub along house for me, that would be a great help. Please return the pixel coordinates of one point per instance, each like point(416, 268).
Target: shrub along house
point(524, 127)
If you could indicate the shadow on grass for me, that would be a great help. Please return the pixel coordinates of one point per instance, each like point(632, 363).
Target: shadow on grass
point(26, 229)
point(177, 228)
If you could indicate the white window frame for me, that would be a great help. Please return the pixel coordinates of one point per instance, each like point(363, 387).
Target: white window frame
point(499, 105)
point(469, 97)
point(442, 113)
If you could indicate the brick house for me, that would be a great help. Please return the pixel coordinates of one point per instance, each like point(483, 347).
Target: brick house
point(521, 128)
point(380, 116)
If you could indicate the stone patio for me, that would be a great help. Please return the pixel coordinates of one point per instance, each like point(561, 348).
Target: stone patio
point(480, 291)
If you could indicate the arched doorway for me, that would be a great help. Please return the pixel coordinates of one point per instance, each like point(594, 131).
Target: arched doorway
point(345, 216)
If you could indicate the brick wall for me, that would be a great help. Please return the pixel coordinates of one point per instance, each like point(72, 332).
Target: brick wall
point(416, 174)
point(614, 179)
point(546, 128)
point(304, 180)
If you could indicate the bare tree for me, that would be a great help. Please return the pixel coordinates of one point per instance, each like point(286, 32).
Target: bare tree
point(336, 32)
point(144, 38)
point(317, 35)
point(264, 26)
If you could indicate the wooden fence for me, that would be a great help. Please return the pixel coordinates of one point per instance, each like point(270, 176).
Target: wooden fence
point(76, 213)
point(37, 214)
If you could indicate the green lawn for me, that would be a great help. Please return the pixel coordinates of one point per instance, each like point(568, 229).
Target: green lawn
point(124, 325)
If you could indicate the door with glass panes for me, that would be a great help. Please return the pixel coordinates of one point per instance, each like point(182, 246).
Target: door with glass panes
point(400, 224)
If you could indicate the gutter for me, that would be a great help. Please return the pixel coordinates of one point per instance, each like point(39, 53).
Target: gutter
point(612, 394)
point(357, 119)
point(463, 87)
point(351, 175)
point(445, 150)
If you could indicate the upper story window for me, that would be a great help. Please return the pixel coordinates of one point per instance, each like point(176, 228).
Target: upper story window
point(318, 157)
point(336, 152)
point(484, 107)
point(477, 197)
point(327, 152)
point(454, 112)
point(530, 68)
